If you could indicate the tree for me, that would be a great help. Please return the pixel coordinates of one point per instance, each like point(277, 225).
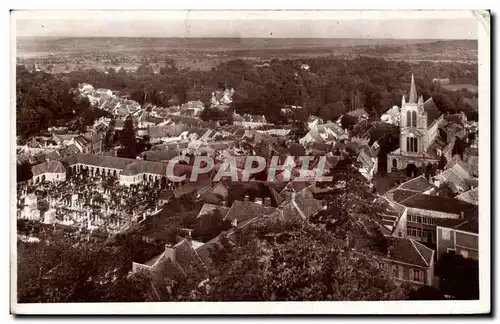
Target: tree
point(459, 147)
point(350, 208)
point(442, 162)
point(109, 136)
point(127, 139)
point(458, 276)
point(296, 262)
point(63, 271)
point(426, 293)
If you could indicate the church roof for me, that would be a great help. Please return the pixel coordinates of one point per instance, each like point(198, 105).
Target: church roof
point(432, 111)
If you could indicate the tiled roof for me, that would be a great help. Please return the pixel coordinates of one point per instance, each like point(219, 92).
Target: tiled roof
point(409, 251)
point(164, 155)
point(439, 204)
point(321, 146)
point(457, 176)
point(467, 225)
point(432, 111)
point(82, 140)
point(419, 184)
point(470, 196)
point(243, 211)
point(48, 167)
point(189, 260)
point(390, 214)
point(165, 131)
point(209, 208)
point(129, 166)
point(306, 202)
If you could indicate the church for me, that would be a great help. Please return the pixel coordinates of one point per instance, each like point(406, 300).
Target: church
point(424, 136)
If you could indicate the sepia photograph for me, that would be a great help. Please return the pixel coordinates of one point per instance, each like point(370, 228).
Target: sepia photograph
point(250, 162)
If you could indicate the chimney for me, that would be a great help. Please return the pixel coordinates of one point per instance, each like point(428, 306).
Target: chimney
point(267, 201)
point(170, 252)
point(461, 214)
point(246, 200)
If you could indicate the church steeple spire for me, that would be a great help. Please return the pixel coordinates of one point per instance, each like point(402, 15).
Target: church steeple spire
point(413, 91)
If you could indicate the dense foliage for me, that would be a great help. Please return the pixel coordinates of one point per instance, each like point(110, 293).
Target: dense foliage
point(329, 88)
point(458, 276)
point(44, 100)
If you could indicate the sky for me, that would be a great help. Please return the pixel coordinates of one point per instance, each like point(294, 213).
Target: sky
point(318, 25)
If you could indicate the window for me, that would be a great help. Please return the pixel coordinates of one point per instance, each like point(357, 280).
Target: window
point(416, 275)
point(414, 119)
point(394, 163)
point(464, 253)
point(397, 272)
point(445, 234)
point(411, 119)
point(411, 143)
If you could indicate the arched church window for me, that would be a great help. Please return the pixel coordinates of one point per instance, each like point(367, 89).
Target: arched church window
point(411, 143)
point(414, 119)
point(408, 119)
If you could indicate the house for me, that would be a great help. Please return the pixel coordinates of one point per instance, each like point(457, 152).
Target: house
point(49, 171)
point(168, 133)
point(368, 159)
point(63, 139)
point(408, 261)
point(456, 178)
point(249, 121)
point(471, 196)
point(426, 211)
point(392, 217)
point(194, 108)
point(210, 208)
point(221, 98)
point(297, 204)
point(175, 262)
point(221, 189)
point(459, 236)
point(82, 143)
point(96, 143)
point(471, 160)
point(246, 210)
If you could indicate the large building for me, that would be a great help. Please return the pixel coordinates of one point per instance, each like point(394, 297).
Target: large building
point(422, 141)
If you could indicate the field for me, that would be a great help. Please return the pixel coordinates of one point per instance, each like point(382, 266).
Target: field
point(206, 53)
point(455, 87)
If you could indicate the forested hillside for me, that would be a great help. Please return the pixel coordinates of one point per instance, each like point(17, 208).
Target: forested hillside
point(329, 88)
